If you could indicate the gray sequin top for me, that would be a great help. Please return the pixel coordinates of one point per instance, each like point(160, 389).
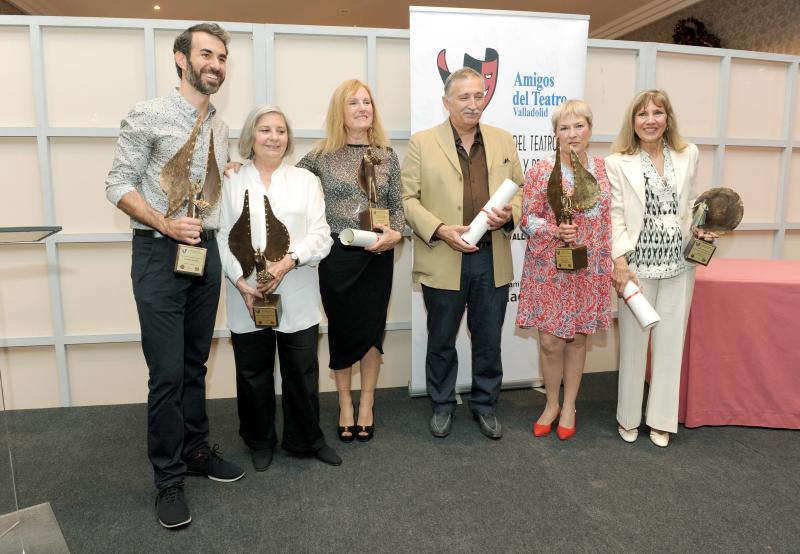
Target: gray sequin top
point(344, 197)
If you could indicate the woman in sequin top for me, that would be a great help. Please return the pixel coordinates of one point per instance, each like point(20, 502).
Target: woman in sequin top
point(565, 306)
point(355, 283)
point(653, 173)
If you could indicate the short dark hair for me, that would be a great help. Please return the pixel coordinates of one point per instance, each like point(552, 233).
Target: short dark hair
point(183, 42)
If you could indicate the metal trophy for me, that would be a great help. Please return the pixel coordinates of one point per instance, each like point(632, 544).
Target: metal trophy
point(266, 310)
point(586, 193)
point(199, 198)
point(372, 216)
point(717, 210)
point(191, 260)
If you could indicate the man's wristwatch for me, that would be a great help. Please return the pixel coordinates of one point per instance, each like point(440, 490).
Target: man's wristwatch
point(295, 258)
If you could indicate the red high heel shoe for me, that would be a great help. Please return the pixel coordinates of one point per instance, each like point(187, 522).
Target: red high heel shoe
point(540, 430)
point(566, 432)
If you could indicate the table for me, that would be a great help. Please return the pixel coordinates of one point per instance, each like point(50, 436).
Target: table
point(741, 358)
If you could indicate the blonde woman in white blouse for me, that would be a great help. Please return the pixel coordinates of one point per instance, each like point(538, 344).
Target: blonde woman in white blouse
point(296, 200)
point(653, 173)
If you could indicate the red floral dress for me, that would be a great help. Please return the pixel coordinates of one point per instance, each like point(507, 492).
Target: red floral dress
point(563, 303)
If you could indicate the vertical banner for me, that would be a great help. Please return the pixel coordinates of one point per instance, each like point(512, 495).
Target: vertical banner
point(531, 62)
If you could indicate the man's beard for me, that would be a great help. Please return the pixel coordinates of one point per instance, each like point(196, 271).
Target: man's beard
point(196, 80)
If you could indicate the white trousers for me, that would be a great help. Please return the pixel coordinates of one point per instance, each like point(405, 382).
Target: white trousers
point(672, 299)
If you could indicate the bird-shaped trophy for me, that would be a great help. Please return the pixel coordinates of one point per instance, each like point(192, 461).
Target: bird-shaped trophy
point(266, 310)
point(585, 194)
point(371, 216)
point(200, 197)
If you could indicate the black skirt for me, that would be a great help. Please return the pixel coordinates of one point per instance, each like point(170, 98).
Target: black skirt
point(355, 286)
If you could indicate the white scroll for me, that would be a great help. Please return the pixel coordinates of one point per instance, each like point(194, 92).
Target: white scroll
point(500, 198)
point(357, 237)
point(641, 308)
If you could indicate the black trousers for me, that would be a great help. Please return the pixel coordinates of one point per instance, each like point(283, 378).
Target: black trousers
point(486, 310)
point(176, 316)
point(254, 354)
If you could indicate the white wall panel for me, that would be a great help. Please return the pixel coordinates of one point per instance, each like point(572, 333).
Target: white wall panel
point(610, 86)
point(17, 109)
point(93, 76)
point(25, 308)
point(757, 91)
point(80, 167)
point(696, 105)
point(29, 377)
point(392, 91)
point(309, 68)
point(20, 193)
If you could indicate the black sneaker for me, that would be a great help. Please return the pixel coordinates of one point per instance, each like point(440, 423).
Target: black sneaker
point(171, 507)
point(208, 461)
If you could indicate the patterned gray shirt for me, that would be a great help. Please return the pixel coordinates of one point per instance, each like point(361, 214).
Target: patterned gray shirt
point(344, 197)
point(149, 137)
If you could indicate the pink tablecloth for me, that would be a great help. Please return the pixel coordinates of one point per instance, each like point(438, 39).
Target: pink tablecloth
point(741, 360)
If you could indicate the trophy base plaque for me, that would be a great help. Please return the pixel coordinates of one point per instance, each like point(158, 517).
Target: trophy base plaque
point(699, 251)
point(372, 217)
point(190, 260)
point(571, 258)
point(267, 311)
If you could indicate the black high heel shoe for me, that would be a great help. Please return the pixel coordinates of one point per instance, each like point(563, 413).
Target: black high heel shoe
point(342, 429)
point(364, 433)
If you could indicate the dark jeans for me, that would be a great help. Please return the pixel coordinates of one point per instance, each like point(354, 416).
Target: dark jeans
point(255, 388)
point(176, 316)
point(486, 310)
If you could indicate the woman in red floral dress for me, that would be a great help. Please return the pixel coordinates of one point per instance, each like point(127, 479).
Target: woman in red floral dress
point(565, 306)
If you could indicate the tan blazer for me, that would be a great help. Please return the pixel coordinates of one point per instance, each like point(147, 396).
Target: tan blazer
point(626, 176)
point(433, 193)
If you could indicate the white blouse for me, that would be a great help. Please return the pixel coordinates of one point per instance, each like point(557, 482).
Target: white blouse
point(296, 198)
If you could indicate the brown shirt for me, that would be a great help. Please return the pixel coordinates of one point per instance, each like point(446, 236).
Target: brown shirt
point(476, 178)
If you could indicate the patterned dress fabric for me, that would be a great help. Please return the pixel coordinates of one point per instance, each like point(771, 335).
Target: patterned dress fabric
point(659, 251)
point(563, 303)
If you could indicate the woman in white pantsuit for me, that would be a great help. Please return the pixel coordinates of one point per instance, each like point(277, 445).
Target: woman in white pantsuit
point(652, 174)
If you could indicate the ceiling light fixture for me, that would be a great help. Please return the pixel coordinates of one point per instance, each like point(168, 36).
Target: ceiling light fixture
point(156, 7)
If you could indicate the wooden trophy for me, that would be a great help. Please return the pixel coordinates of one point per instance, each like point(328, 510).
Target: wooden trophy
point(372, 216)
point(717, 210)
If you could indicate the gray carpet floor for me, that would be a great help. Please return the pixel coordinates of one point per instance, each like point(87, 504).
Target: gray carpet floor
point(724, 489)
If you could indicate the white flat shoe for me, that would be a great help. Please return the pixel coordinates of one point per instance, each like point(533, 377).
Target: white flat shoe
point(659, 438)
point(628, 435)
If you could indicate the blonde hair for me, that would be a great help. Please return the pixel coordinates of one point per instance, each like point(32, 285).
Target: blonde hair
point(248, 135)
point(335, 129)
point(575, 107)
point(628, 141)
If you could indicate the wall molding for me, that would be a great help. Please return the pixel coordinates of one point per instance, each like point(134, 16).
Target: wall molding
point(650, 12)
point(37, 7)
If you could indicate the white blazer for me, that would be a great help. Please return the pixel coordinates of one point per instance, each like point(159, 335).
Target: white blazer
point(626, 176)
point(296, 198)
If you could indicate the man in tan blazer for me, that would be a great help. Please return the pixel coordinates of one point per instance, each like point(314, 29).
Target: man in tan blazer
point(448, 174)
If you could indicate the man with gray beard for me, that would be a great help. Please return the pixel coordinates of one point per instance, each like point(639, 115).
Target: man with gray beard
point(168, 161)
point(448, 175)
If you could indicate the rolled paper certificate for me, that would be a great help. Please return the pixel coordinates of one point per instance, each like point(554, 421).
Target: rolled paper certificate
point(500, 198)
point(357, 237)
point(641, 308)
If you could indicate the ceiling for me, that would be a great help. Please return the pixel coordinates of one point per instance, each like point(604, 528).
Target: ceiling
point(609, 18)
